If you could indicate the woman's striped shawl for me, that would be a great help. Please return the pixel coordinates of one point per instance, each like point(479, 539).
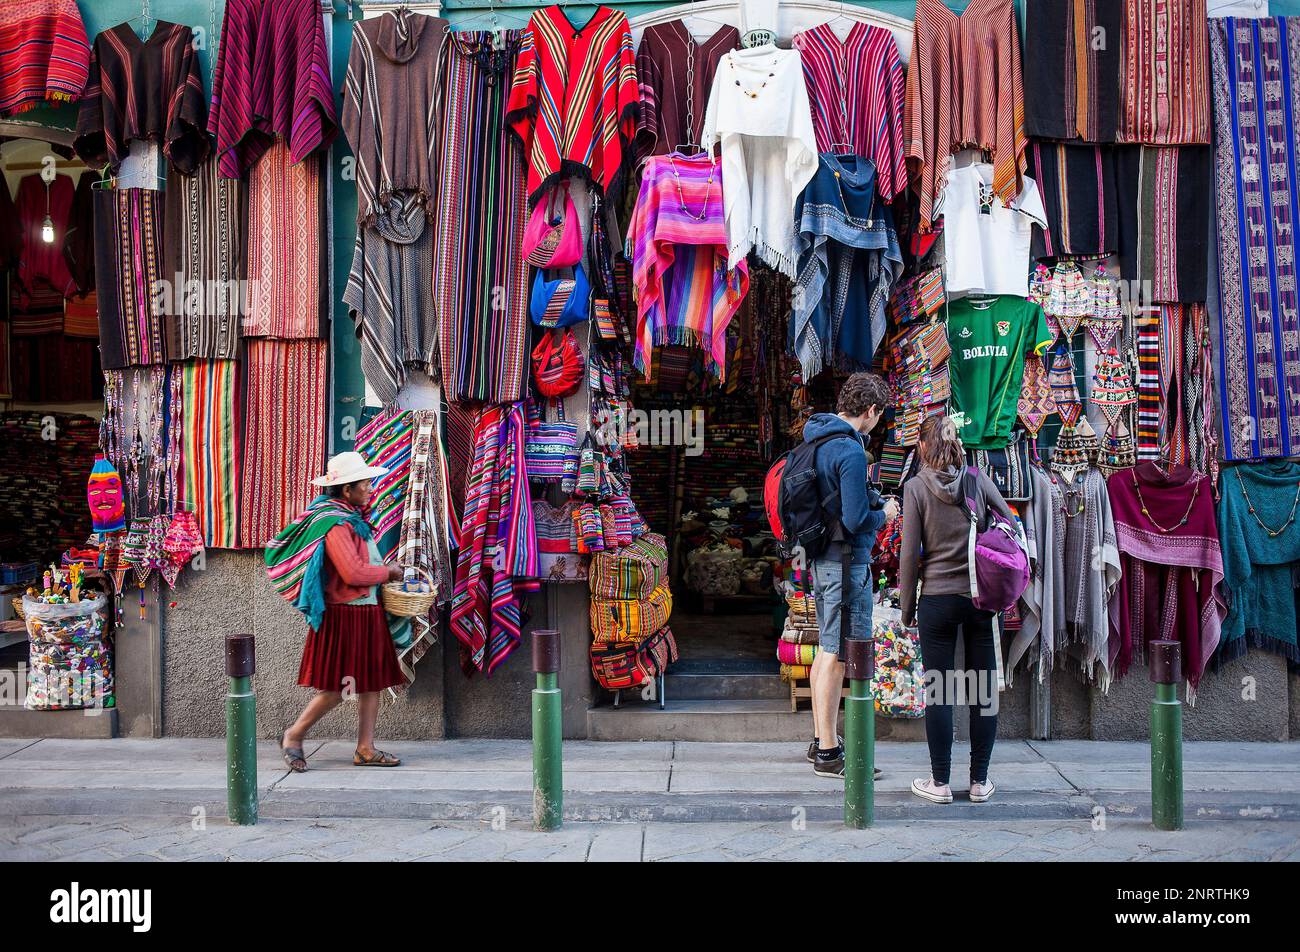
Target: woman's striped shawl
point(295, 558)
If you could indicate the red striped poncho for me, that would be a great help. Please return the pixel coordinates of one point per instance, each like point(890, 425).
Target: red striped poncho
point(44, 53)
point(272, 78)
point(574, 100)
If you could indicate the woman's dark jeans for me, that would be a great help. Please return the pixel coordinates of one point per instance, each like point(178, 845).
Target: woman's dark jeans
point(940, 619)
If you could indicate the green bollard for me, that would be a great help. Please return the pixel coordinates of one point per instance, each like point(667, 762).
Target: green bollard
point(859, 735)
point(1165, 661)
point(548, 734)
point(241, 731)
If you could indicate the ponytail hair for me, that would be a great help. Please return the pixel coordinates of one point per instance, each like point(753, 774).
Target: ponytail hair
point(940, 445)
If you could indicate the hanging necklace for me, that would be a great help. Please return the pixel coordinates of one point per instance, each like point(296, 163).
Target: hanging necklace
point(752, 94)
point(1251, 506)
point(681, 196)
point(844, 205)
point(1196, 491)
point(1068, 492)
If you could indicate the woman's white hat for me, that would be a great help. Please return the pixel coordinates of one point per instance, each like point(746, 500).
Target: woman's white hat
point(347, 468)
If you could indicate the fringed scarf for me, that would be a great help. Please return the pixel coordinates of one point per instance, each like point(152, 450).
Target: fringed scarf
point(295, 558)
point(1170, 585)
point(1261, 549)
point(498, 545)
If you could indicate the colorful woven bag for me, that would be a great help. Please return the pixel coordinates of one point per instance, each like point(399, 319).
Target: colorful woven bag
point(633, 571)
point(630, 619)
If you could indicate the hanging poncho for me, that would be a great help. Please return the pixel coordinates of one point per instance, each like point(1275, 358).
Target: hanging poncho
point(759, 112)
point(849, 260)
point(1085, 533)
point(272, 77)
point(686, 294)
point(1261, 549)
point(1172, 567)
point(497, 561)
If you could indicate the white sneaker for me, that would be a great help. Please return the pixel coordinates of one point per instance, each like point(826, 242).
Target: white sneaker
point(927, 789)
point(979, 792)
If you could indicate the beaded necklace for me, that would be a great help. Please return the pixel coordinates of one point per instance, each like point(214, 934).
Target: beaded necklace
point(681, 196)
point(1196, 491)
point(1250, 505)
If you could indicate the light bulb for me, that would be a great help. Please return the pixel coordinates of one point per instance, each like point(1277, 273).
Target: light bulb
point(47, 230)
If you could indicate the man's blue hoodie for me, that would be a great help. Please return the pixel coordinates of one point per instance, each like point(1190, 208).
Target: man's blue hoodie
point(842, 465)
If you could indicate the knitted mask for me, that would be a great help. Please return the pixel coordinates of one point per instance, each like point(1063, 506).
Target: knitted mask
point(104, 495)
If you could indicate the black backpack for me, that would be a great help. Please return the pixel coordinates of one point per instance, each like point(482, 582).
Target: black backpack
point(809, 522)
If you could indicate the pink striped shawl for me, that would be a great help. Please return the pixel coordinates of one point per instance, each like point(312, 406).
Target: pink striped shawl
point(684, 297)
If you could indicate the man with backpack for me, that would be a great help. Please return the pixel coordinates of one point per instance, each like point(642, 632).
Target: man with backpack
point(831, 515)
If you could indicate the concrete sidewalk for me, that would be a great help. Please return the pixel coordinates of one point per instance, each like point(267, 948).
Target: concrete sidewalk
point(669, 782)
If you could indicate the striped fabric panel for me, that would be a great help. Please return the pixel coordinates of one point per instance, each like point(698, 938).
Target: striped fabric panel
point(973, 98)
point(207, 219)
point(498, 546)
point(855, 87)
point(1148, 384)
point(210, 447)
point(1173, 423)
point(1165, 80)
point(284, 433)
point(480, 278)
point(285, 278)
point(45, 53)
point(386, 441)
point(128, 262)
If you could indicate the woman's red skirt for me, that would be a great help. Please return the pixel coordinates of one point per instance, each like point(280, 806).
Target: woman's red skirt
point(353, 642)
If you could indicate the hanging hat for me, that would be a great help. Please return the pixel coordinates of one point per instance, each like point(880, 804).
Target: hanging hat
point(1118, 451)
point(104, 496)
point(1070, 299)
point(1075, 447)
point(349, 467)
point(1107, 317)
point(1113, 393)
point(1036, 401)
point(182, 542)
point(110, 557)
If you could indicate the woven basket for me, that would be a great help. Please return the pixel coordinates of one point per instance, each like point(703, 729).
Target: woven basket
point(406, 604)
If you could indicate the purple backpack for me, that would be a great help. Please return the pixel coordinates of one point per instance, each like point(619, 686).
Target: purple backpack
point(999, 567)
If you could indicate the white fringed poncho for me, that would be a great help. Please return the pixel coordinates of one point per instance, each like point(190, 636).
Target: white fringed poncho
point(769, 151)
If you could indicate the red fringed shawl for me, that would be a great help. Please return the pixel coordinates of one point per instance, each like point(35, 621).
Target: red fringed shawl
point(1170, 584)
point(574, 100)
point(44, 54)
point(272, 78)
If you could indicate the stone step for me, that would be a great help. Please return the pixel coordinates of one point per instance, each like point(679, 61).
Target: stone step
point(732, 720)
point(716, 686)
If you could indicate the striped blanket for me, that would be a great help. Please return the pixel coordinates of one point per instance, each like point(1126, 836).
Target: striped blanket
point(295, 558)
point(386, 441)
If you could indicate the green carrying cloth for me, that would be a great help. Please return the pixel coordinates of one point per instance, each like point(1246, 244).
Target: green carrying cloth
point(295, 558)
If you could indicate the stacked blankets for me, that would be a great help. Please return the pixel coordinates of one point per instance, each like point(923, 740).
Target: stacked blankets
point(799, 637)
point(630, 605)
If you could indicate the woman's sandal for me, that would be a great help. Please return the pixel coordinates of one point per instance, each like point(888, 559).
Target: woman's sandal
point(293, 756)
point(378, 758)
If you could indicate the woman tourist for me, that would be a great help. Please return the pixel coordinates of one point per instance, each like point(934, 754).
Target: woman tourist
point(349, 647)
point(936, 531)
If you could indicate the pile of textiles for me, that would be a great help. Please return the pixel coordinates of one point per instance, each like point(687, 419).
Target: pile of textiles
point(799, 637)
point(898, 683)
point(918, 362)
point(43, 480)
point(630, 605)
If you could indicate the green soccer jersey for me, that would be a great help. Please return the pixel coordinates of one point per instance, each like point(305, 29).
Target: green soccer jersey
point(990, 337)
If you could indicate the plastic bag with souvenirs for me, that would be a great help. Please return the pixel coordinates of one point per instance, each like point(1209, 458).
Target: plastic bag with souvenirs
point(898, 684)
point(70, 663)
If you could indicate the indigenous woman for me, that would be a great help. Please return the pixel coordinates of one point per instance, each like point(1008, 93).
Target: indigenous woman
point(327, 564)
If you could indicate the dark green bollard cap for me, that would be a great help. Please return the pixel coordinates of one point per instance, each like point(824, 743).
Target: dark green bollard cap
point(241, 660)
point(859, 659)
point(1165, 661)
point(546, 651)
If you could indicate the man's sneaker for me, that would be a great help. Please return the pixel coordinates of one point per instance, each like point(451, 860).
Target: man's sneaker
point(979, 792)
point(812, 748)
point(927, 789)
point(812, 757)
point(834, 769)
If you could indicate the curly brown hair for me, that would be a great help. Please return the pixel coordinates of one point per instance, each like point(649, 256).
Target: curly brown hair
point(860, 393)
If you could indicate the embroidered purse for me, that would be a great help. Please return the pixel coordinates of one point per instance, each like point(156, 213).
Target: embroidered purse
point(552, 239)
point(550, 446)
point(560, 303)
point(557, 363)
